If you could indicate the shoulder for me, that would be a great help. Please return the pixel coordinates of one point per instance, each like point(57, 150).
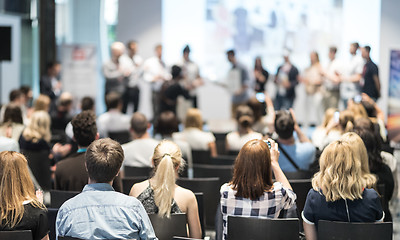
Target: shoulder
point(306, 146)
point(187, 194)
point(370, 194)
point(138, 188)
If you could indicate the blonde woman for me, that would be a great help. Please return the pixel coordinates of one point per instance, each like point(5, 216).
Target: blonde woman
point(160, 194)
point(340, 190)
point(20, 209)
point(319, 133)
point(36, 136)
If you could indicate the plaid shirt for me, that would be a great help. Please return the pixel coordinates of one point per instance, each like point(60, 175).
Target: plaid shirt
point(270, 205)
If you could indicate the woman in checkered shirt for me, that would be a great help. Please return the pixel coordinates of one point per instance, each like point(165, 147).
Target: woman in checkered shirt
point(251, 191)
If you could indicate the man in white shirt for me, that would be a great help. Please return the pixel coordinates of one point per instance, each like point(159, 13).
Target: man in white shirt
point(156, 73)
point(350, 80)
point(331, 81)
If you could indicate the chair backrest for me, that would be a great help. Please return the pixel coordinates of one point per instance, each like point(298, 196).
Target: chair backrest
point(57, 198)
point(16, 235)
point(222, 160)
point(233, 153)
point(52, 216)
point(130, 171)
point(39, 163)
point(210, 189)
point(328, 230)
point(301, 188)
point(68, 238)
point(223, 172)
point(200, 206)
point(121, 136)
point(262, 228)
point(201, 156)
point(183, 238)
point(127, 183)
point(166, 228)
point(299, 175)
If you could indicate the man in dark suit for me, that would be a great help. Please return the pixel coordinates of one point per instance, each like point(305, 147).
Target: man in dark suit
point(50, 84)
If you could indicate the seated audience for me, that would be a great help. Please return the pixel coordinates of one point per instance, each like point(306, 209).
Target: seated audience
point(194, 135)
point(42, 103)
point(262, 124)
point(71, 174)
point(99, 212)
point(245, 118)
point(296, 155)
point(13, 125)
point(16, 97)
point(339, 191)
point(87, 103)
point(36, 136)
point(113, 120)
point(251, 192)
point(61, 116)
point(319, 133)
point(160, 194)
point(375, 114)
point(139, 151)
point(20, 209)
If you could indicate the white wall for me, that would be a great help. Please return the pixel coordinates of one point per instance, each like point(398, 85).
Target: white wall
point(10, 70)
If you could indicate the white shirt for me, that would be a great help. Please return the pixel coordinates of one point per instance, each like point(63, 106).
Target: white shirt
point(236, 141)
point(8, 144)
point(334, 67)
point(190, 71)
point(138, 153)
point(137, 71)
point(351, 89)
point(197, 139)
point(112, 121)
point(152, 68)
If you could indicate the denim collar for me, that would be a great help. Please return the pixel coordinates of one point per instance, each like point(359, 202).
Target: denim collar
point(98, 187)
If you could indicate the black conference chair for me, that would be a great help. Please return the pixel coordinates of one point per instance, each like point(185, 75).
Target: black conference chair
point(52, 216)
point(233, 153)
point(301, 188)
point(183, 238)
point(222, 160)
point(130, 171)
point(166, 228)
point(121, 136)
point(17, 234)
point(200, 206)
point(127, 183)
point(57, 198)
point(68, 238)
point(39, 163)
point(299, 175)
point(220, 142)
point(223, 172)
point(201, 156)
point(328, 230)
point(210, 189)
point(262, 228)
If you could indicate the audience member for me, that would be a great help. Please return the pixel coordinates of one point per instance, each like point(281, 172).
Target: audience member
point(357, 109)
point(99, 212)
point(61, 117)
point(375, 114)
point(36, 136)
point(87, 103)
point(262, 124)
point(251, 192)
point(139, 151)
point(42, 103)
point(160, 194)
point(297, 155)
point(331, 81)
point(28, 96)
point(339, 190)
point(235, 140)
point(16, 97)
point(8, 144)
point(320, 132)
point(12, 126)
point(370, 75)
point(50, 83)
point(194, 134)
point(20, 209)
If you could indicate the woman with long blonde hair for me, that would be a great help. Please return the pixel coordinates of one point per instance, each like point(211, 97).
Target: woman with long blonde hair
point(20, 209)
point(340, 190)
point(160, 194)
point(36, 136)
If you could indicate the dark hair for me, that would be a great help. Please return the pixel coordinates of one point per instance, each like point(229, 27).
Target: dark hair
point(369, 108)
point(257, 108)
point(186, 49)
point(87, 103)
point(51, 64)
point(284, 124)
point(139, 123)
point(14, 95)
point(167, 123)
point(113, 99)
point(176, 72)
point(65, 102)
point(252, 174)
point(244, 116)
point(13, 114)
point(367, 48)
point(84, 128)
point(104, 158)
point(130, 42)
point(374, 147)
point(333, 49)
point(230, 52)
point(355, 44)
point(363, 123)
point(25, 89)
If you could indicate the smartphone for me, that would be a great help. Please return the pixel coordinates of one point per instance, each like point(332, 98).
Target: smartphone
point(336, 116)
point(357, 99)
point(260, 97)
point(268, 143)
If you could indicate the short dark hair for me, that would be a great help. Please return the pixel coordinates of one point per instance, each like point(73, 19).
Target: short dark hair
point(244, 116)
point(25, 89)
point(13, 114)
point(355, 44)
point(51, 64)
point(333, 49)
point(186, 49)
point(284, 124)
point(113, 99)
point(14, 95)
point(167, 123)
point(104, 158)
point(130, 42)
point(139, 123)
point(230, 52)
point(87, 103)
point(367, 48)
point(176, 71)
point(84, 128)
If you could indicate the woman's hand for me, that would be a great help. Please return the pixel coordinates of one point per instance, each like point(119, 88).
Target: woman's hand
point(274, 152)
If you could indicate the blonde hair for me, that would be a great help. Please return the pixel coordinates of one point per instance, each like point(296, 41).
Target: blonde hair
point(38, 128)
point(167, 158)
point(42, 103)
point(357, 142)
point(346, 120)
point(193, 119)
point(358, 110)
point(15, 187)
point(340, 175)
point(328, 116)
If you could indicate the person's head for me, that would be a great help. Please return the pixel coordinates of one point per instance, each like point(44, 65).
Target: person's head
point(340, 175)
point(186, 52)
point(38, 127)
point(42, 103)
point(363, 123)
point(369, 109)
point(117, 49)
point(176, 72)
point(167, 123)
point(286, 55)
point(13, 114)
point(365, 52)
point(252, 174)
point(87, 103)
point(374, 148)
point(244, 116)
point(65, 102)
point(139, 124)
point(354, 47)
point(346, 120)
point(158, 50)
point(27, 92)
point(284, 124)
point(104, 158)
point(231, 56)
point(314, 58)
point(84, 128)
point(15, 187)
point(167, 159)
point(357, 109)
point(360, 148)
point(16, 97)
point(257, 108)
point(328, 116)
point(53, 68)
point(193, 119)
point(113, 101)
point(332, 52)
point(258, 63)
point(132, 47)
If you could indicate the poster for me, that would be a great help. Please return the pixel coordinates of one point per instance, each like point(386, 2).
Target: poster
point(393, 123)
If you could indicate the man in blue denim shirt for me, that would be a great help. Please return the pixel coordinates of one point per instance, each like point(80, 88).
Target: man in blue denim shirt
point(99, 212)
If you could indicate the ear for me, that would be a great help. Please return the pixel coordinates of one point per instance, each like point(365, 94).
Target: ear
point(97, 137)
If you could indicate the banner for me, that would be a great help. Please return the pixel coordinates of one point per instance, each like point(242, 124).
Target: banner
point(393, 123)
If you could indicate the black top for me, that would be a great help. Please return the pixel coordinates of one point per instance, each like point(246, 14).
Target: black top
point(260, 86)
point(367, 209)
point(370, 70)
point(34, 219)
point(292, 75)
point(385, 176)
point(149, 204)
point(46, 87)
point(33, 146)
point(169, 93)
